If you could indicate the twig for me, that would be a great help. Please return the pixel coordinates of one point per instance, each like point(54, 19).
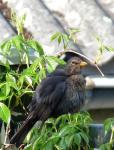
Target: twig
point(83, 56)
point(6, 135)
point(99, 69)
point(111, 137)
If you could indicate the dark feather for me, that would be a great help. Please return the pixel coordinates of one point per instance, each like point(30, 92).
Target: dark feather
point(61, 92)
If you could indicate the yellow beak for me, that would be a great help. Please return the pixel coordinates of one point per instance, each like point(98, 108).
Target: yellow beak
point(83, 64)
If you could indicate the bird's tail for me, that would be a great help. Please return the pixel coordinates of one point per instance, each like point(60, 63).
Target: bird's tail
point(22, 132)
point(41, 113)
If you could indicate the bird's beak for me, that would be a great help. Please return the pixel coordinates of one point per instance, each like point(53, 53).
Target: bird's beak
point(83, 64)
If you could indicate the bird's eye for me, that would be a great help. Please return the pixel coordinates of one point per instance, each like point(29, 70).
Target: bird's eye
point(74, 62)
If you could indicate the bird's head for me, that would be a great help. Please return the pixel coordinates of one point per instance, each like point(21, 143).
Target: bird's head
point(74, 65)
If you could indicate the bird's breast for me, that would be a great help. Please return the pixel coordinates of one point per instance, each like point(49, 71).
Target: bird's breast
point(74, 96)
point(76, 82)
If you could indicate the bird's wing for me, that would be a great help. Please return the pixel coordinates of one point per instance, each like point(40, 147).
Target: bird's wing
point(57, 72)
point(47, 97)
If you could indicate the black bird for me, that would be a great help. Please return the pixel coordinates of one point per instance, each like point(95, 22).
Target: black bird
point(61, 92)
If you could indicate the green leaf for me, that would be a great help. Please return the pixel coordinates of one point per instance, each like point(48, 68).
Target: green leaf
point(28, 147)
point(7, 89)
point(74, 30)
point(11, 81)
point(68, 129)
point(36, 46)
point(52, 62)
point(4, 90)
point(55, 35)
point(108, 123)
point(14, 85)
point(62, 144)
point(109, 48)
point(4, 62)
point(56, 59)
point(20, 81)
point(29, 80)
point(51, 142)
point(38, 144)
point(5, 47)
point(4, 113)
point(3, 97)
point(85, 137)
point(65, 37)
point(59, 39)
point(69, 140)
point(106, 146)
point(77, 139)
point(18, 42)
point(2, 84)
point(49, 66)
point(42, 74)
point(10, 78)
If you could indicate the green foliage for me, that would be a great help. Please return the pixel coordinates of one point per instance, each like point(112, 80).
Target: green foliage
point(17, 82)
point(18, 21)
point(64, 38)
point(108, 124)
point(65, 132)
point(106, 146)
point(61, 37)
point(4, 113)
point(109, 128)
point(103, 47)
point(18, 46)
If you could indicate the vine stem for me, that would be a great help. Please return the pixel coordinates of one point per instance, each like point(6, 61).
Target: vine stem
point(83, 56)
point(111, 137)
point(6, 135)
